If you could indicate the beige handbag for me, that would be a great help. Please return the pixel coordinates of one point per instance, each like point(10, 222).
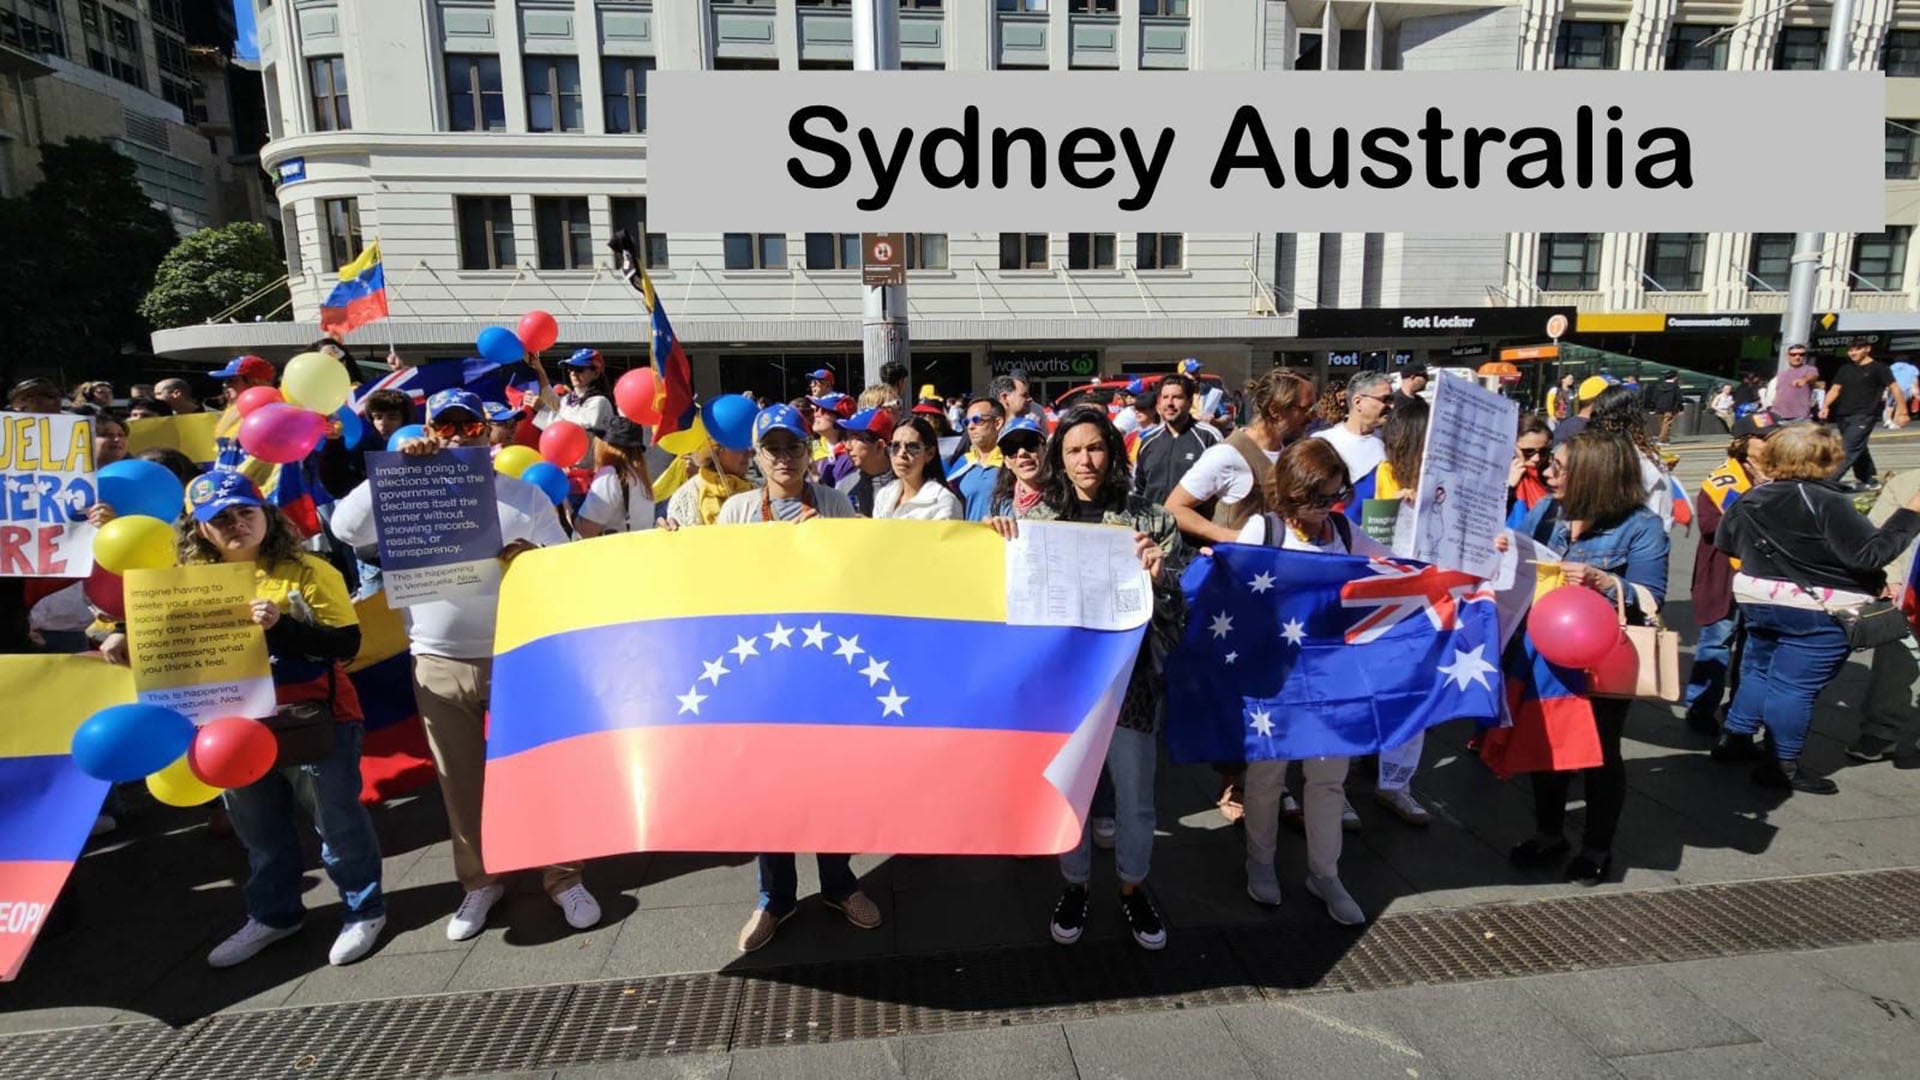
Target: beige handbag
point(1646, 663)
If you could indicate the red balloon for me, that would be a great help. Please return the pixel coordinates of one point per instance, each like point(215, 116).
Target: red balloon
point(106, 590)
point(634, 396)
point(564, 443)
point(255, 396)
point(1574, 627)
point(538, 331)
point(232, 752)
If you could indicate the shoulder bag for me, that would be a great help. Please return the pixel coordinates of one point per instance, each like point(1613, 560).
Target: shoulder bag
point(1868, 626)
point(1646, 663)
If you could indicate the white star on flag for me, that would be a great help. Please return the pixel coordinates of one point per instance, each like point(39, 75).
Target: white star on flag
point(1261, 583)
point(1232, 656)
point(849, 648)
point(715, 669)
point(875, 671)
point(1262, 722)
point(893, 702)
point(1294, 631)
point(1222, 625)
point(1468, 667)
point(690, 701)
point(782, 638)
point(743, 647)
point(816, 638)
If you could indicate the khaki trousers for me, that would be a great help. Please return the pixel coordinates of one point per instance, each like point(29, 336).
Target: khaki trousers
point(1321, 802)
point(452, 696)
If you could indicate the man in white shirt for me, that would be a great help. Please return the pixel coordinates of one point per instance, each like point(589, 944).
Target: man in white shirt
point(1369, 400)
point(452, 645)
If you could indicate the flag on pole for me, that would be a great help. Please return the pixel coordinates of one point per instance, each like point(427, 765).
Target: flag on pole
point(673, 379)
point(361, 296)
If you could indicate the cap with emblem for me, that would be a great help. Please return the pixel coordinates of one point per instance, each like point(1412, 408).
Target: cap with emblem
point(222, 489)
point(455, 399)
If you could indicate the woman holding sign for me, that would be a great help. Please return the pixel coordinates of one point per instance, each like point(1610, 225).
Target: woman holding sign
point(301, 603)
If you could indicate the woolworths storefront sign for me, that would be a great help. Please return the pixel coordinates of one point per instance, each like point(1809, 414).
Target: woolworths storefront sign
point(1045, 365)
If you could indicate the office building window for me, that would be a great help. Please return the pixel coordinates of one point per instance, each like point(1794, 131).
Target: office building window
point(1022, 5)
point(342, 221)
point(1023, 251)
point(623, 82)
point(1771, 260)
point(920, 5)
point(475, 101)
point(113, 43)
point(561, 232)
point(833, 251)
point(171, 54)
point(1093, 7)
point(1594, 45)
point(1800, 48)
point(327, 78)
point(1903, 149)
point(33, 26)
point(756, 251)
point(1569, 262)
point(923, 65)
point(1685, 53)
point(1157, 251)
point(631, 215)
point(1677, 261)
point(486, 232)
point(553, 93)
point(1090, 251)
point(1900, 53)
point(1880, 259)
point(927, 251)
point(1169, 9)
point(826, 65)
point(1306, 52)
point(744, 63)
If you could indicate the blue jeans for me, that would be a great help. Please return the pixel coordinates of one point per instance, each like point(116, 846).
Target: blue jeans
point(1791, 655)
point(1130, 761)
point(262, 814)
point(1707, 681)
point(780, 881)
point(1102, 805)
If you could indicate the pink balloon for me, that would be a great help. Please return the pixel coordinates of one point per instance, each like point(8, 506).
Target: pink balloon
point(254, 397)
point(281, 433)
point(1574, 627)
point(538, 331)
point(564, 443)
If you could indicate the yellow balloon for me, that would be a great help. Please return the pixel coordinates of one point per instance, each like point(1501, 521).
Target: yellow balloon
point(316, 381)
point(176, 785)
point(514, 460)
point(135, 543)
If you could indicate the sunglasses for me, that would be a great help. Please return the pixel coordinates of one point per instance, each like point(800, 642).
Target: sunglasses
point(447, 429)
point(1325, 500)
point(1386, 401)
point(976, 421)
point(1021, 446)
point(910, 449)
point(1540, 452)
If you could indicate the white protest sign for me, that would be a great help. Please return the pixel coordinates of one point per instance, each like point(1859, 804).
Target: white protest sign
point(1461, 503)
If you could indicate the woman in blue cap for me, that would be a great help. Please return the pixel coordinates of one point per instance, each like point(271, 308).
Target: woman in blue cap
point(585, 403)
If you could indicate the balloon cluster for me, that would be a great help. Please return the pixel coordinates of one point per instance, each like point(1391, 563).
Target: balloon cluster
point(536, 334)
point(146, 499)
point(183, 765)
point(283, 426)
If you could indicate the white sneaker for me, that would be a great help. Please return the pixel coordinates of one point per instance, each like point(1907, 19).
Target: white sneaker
point(472, 916)
point(1340, 903)
point(355, 941)
point(1105, 829)
point(246, 943)
point(1349, 817)
point(581, 909)
point(1404, 806)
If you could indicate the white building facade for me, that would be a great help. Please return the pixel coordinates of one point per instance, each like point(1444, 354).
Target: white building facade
point(494, 146)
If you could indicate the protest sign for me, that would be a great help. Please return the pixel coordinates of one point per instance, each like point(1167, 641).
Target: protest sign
point(46, 485)
point(1377, 518)
point(191, 434)
point(1461, 503)
point(193, 643)
point(439, 525)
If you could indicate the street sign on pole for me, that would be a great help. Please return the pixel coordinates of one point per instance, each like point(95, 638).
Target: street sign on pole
point(1556, 327)
point(883, 259)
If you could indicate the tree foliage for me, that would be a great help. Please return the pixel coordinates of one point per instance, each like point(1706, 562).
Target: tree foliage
point(214, 269)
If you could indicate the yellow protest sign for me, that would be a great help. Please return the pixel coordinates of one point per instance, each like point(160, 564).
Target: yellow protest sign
point(191, 434)
point(194, 644)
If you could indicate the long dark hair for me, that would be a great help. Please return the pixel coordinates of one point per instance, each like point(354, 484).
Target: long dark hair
point(1406, 437)
point(1619, 410)
point(1602, 485)
point(932, 470)
point(1056, 489)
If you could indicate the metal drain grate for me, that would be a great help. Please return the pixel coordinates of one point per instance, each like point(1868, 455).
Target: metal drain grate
point(559, 1026)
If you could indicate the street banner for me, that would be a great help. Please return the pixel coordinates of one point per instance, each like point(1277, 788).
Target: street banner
point(46, 485)
point(1461, 503)
point(439, 525)
point(193, 643)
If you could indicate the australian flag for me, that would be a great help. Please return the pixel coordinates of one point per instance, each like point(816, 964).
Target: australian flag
point(1291, 654)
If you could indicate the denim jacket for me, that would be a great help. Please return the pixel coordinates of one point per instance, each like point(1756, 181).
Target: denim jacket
point(1635, 548)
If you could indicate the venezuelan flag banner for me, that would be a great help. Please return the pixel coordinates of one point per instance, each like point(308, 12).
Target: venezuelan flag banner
point(394, 757)
point(47, 805)
point(361, 296)
point(673, 378)
point(829, 686)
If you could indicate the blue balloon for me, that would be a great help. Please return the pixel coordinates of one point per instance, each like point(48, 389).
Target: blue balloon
point(136, 488)
point(729, 421)
point(122, 743)
point(549, 478)
point(406, 435)
point(498, 344)
point(352, 428)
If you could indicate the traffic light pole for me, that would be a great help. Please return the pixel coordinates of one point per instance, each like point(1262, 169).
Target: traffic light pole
point(883, 322)
point(1806, 248)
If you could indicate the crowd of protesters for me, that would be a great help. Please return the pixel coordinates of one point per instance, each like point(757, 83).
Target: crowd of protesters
point(1785, 564)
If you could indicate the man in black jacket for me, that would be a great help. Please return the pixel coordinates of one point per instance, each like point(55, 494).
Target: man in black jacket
point(1663, 400)
point(1169, 450)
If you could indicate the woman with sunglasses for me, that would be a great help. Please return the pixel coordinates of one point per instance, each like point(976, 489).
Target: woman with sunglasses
point(1022, 448)
point(1085, 479)
point(920, 491)
point(1308, 481)
point(1525, 485)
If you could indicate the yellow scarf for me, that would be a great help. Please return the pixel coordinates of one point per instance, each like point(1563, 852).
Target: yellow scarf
point(716, 488)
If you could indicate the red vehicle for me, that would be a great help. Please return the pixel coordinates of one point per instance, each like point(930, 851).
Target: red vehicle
point(1104, 392)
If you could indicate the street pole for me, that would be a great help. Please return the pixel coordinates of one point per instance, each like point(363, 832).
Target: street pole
point(1806, 248)
point(883, 320)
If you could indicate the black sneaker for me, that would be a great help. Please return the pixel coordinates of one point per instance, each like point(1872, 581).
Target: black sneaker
point(1070, 915)
point(1143, 920)
point(1786, 776)
point(1870, 748)
point(1733, 746)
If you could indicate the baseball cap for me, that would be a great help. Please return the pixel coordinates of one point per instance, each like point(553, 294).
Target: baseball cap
point(1190, 365)
point(245, 367)
point(210, 493)
point(929, 408)
point(501, 413)
point(582, 358)
point(836, 403)
point(1761, 424)
point(1592, 387)
point(1019, 425)
point(455, 399)
point(1136, 388)
point(778, 418)
point(875, 422)
point(823, 375)
point(1414, 371)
